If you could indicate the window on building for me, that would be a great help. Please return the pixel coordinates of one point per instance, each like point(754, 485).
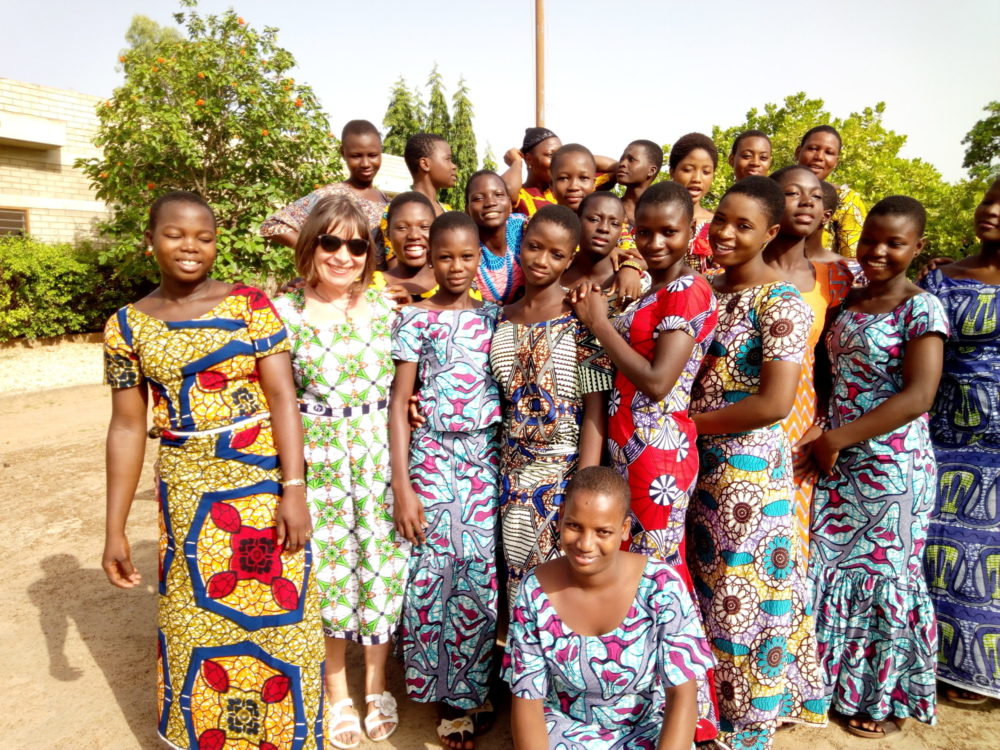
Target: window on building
point(13, 221)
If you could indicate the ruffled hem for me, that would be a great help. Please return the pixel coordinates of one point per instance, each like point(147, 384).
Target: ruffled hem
point(877, 644)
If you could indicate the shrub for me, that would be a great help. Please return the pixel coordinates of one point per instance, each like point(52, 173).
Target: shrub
point(49, 290)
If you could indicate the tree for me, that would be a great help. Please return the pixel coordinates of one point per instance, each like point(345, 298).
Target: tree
point(437, 119)
point(144, 34)
point(216, 113)
point(982, 157)
point(489, 160)
point(462, 138)
point(402, 118)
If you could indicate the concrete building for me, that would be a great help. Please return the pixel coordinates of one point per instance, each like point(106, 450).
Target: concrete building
point(42, 131)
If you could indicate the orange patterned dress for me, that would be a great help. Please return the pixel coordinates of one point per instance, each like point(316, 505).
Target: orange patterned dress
point(833, 282)
point(239, 643)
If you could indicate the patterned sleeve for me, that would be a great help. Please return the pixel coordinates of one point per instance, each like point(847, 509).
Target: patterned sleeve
point(595, 372)
point(850, 218)
point(293, 216)
point(784, 319)
point(683, 653)
point(925, 315)
point(931, 282)
point(267, 332)
point(688, 305)
point(121, 364)
point(524, 667)
point(406, 331)
point(514, 232)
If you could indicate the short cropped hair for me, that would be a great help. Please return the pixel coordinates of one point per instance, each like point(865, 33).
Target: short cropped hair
point(176, 196)
point(691, 142)
point(475, 176)
point(665, 193)
point(652, 150)
point(600, 480)
point(359, 127)
point(420, 146)
point(748, 134)
point(451, 221)
point(766, 192)
point(410, 196)
point(779, 175)
point(560, 216)
point(901, 205)
point(571, 148)
point(596, 196)
point(831, 198)
point(821, 129)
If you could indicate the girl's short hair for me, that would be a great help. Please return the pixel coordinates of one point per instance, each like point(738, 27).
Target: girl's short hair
point(176, 196)
point(766, 192)
point(410, 196)
point(822, 129)
point(334, 211)
point(748, 134)
point(692, 142)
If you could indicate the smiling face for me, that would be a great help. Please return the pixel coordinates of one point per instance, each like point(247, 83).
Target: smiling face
point(440, 167)
point(820, 153)
point(573, 179)
point(739, 230)
point(634, 168)
point(489, 202)
point(592, 528)
point(887, 246)
point(803, 203)
point(751, 157)
point(183, 241)
point(987, 216)
point(455, 259)
point(363, 156)
point(337, 270)
point(662, 233)
point(539, 159)
point(409, 231)
point(545, 252)
point(602, 221)
point(695, 172)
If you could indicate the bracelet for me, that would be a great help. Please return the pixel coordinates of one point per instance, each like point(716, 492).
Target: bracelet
point(294, 483)
point(631, 263)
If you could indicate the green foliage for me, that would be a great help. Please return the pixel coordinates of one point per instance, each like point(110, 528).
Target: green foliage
point(144, 34)
point(437, 119)
point(402, 119)
point(216, 113)
point(489, 159)
point(870, 163)
point(982, 157)
point(462, 138)
point(49, 290)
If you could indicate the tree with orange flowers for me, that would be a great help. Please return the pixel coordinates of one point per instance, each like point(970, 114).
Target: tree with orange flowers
point(215, 111)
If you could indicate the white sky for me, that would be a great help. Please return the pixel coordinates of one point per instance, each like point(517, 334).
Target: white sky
point(616, 70)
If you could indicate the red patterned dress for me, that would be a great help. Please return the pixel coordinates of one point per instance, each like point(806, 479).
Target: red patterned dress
point(239, 644)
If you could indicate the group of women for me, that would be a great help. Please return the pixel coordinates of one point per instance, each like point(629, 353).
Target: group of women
point(420, 424)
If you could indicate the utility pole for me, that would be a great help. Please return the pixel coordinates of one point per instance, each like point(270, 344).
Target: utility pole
point(539, 63)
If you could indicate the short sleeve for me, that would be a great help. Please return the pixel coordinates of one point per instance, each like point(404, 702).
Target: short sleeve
point(267, 332)
point(595, 371)
point(406, 332)
point(931, 282)
point(121, 364)
point(683, 653)
point(688, 305)
point(293, 216)
point(925, 314)
point(784, 319)
point(524, 667)
point(514, 233)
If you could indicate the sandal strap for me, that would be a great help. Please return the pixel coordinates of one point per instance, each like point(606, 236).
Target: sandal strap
point(386, 711)
point(461, 725)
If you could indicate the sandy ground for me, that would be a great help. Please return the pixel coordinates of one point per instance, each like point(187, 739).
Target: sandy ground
point(78, 654)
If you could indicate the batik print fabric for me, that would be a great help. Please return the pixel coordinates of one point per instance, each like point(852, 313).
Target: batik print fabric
point(842, 232)
point(239, 647)
point(342, 375)
point(742, 548)
point(448, 627)
point(874, 618)
point(833, 282)
point(607, 690)
point(699, 254)
point(500, 280)
point(653, 443)
point(544, 370)
point(963, 541)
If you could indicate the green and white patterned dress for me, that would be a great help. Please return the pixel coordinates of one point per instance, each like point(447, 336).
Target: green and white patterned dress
point(343, 374)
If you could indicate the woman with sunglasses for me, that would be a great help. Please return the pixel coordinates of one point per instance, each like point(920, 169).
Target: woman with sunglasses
point(342, 361)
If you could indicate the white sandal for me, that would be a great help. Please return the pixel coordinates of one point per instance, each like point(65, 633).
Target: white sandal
point(385, 706)
point(337, 722)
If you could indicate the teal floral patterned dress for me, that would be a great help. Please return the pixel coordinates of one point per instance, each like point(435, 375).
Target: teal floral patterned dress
point(343, 374)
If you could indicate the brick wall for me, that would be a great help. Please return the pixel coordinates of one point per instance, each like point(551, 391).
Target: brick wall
point(61, 206)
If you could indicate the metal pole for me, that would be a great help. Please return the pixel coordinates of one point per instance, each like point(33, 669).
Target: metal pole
point(539, 63)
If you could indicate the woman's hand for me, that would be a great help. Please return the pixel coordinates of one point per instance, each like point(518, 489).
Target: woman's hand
point(801, 454)
point(417, 420)
point(512, 155)
point(627, 286)
point(825, 452)
point(397, 295)
point(408, 513)
point(590, 306)
point(292, 519)
point(619, 255)
point(117, 562)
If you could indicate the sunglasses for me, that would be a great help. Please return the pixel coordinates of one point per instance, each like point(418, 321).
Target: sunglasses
point(331, 243)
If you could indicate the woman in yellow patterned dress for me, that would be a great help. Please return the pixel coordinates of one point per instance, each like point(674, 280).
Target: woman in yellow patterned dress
point(239, 643)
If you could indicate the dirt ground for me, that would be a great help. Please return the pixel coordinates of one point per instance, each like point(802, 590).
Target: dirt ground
point(77, 653)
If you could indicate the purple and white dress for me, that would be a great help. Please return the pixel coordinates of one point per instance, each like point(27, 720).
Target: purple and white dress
point(607, 690)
